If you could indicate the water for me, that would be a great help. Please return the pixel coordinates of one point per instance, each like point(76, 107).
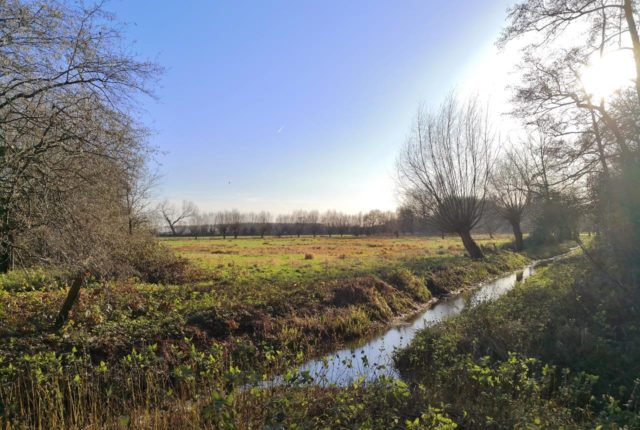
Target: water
point(372, 358)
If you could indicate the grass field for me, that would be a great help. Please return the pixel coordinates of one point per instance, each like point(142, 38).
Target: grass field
point(292, 259)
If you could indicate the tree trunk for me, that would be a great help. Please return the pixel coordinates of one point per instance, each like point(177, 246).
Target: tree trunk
point(72, 296)
point(5, 260)
point(517, 233)
point(471, 246)
point(6, 254)
point(635, 40)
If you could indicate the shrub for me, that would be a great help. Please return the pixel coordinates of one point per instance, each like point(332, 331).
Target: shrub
point(152, 262)
point(405, 280)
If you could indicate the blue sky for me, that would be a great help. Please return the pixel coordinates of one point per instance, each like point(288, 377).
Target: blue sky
point(283, 105)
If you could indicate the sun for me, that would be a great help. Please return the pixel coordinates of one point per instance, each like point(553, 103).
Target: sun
point(605, 75)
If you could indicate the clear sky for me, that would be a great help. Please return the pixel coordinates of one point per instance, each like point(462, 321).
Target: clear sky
point(283, 105)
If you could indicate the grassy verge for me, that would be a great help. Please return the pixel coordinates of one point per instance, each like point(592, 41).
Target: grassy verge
point(562, 350)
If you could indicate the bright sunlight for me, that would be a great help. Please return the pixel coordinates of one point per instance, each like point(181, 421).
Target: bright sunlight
point(608, 74)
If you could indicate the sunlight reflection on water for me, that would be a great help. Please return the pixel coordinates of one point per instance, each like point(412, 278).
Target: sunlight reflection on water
point(373, 358)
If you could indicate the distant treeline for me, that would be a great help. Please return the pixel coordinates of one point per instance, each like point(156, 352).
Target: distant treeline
point(233, 223)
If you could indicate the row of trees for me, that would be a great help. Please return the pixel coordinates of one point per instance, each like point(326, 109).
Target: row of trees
point(187, 220)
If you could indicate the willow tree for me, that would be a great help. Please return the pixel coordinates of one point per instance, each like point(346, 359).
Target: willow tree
point(445, 165)
point(510, 192)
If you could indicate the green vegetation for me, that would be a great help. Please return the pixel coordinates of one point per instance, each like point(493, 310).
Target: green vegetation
point(147, 351)
point(104, 326)
point(290, 259)
point(557, 351)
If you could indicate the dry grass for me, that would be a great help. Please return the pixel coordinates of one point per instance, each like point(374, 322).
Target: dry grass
point(286, 258)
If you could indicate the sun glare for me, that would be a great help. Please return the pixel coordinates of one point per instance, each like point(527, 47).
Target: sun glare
point(608, 74)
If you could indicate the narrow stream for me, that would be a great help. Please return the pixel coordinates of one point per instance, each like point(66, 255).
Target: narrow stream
point(372, 358)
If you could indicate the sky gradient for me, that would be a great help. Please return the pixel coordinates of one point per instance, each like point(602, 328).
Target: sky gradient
point(274, 105)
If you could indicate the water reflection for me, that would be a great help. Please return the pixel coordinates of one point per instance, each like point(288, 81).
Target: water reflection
point(373, 358)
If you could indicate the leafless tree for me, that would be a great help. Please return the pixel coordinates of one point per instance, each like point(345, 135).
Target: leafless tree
point(299, 218)
point(445, 164)
point(200, 225)
point(138, 186)
point(235, 219)
point(70, 151)
point(601, 137)
point(330, 220)
point(173, 216)
point(356, 223)
point(222, 222)
point(601, 26)
point(285, 223)
point(65, 90)
point(510, 190)
point(406, 220)
point(343, 221)
point(371, 220)
point(312, 219)
point(264, 223)
point(552, 94)
point(491, 219)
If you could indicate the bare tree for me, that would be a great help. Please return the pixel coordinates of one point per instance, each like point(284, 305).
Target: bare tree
point(330, 220)
point(600, 134)
point(406, 219)
point(491, 220)
point(511, 193)
point(211, 220)
point(235, 219)
point(356, 223)
point(173, 216)
point(371, 220)
point(264, 223)
point(312, 219)
point(138, 187)
point(446, 163)
point(299, 218)
point(601, 26)
point(222, 222)
point(70, 151)
point(65, 89)
point(200, 225)
point(343, 221)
